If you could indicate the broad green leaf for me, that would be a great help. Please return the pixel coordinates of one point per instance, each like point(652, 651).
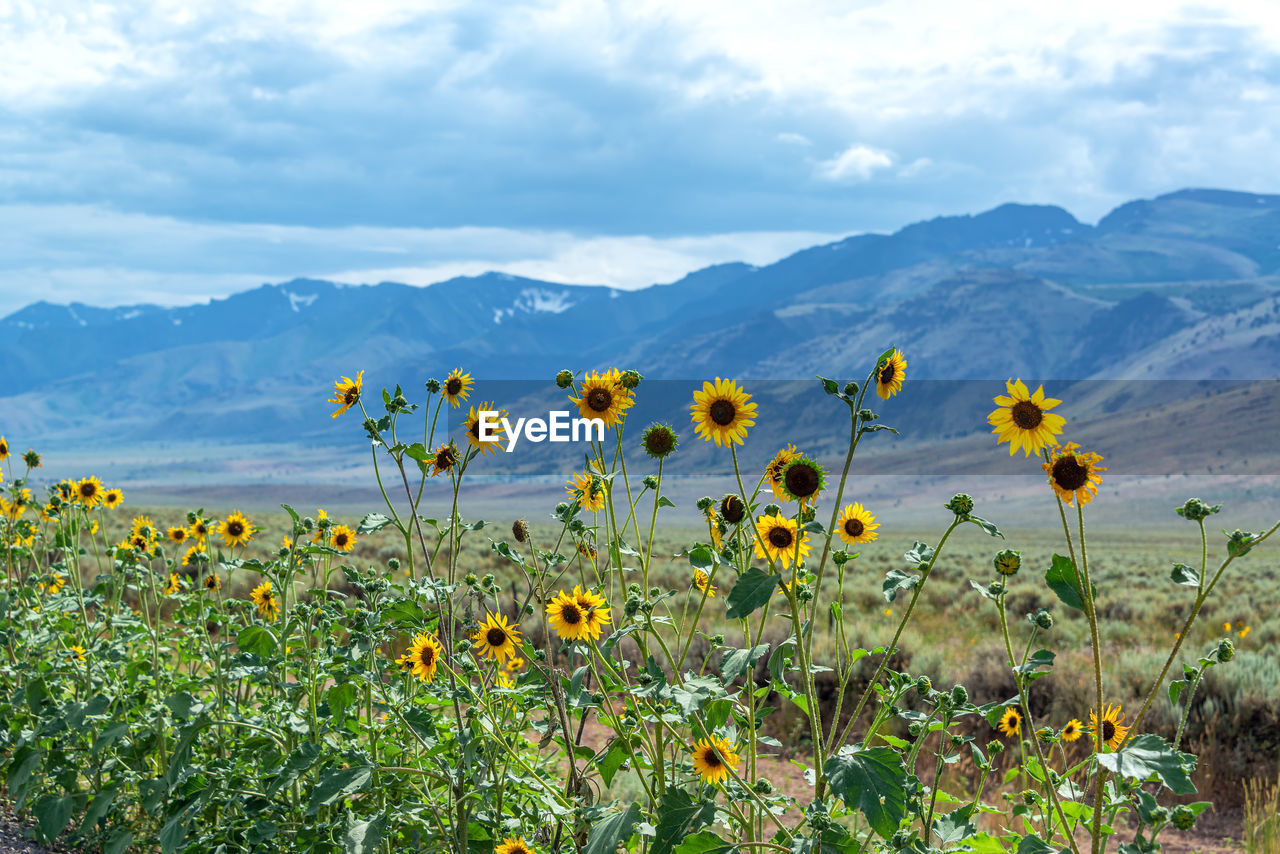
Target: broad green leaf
point(338, 783)
point(679, 815)
point(258, 640)
point(752, 591)
point(991, 529)
point(372, 522)
point(1062, 579)
point(608, 834)
point(955, 826)
point(611, 759)
point(738, 661)
point(1149, 756)
point(1039, 658)
point(362, 837)
point(834, 840)
point(898, 579)
point(53, 814)
point(871, 781)
point(829, 386)
point(416, 451)
point(1184, 575)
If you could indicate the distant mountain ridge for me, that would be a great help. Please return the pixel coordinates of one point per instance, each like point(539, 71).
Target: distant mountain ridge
point(1186, 285)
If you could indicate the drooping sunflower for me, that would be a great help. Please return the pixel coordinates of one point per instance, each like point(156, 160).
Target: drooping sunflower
point(732, 510)
point(776, 540)
point(702, 581)
point(236, 529)
point(586, 487)
point(802, 479)
point(1114, 731)
point(423, 657)
point(889, 375)
point(112, 498)
point(586, 550)
point(177, 536)
point(513, 844)
point(472, 427)
point(567, 616)
point(265, 601)
point(597, 612)
point(346, 393)
point(457, 386)
point(1024, 420)
point(1010, 722)
point(496, 638)
point(722, 412)
point(713, 757)
point(142, 527)
point(174, 585)
point(603, 396)
point(89, 491)
point(857, 525)
point(444, 459)
point(1074, 475)
point(342, 538)
point(322, 528)
point(1073, 730)
point(773, 471)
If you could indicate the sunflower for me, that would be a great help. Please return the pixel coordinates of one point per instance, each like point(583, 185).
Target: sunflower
point(802, 479)
point(603, 396)
point(1072, 730)
point(1010, 721)
point(457, 386)
point(702, 581)
point(890, 374)
point(236, 530)
point(55, 586)
point(200, 530)
point(1073, 474)
point(178, 535)
point(586, 549)
point(513, 845)
point(715, 527)
point(342, 538)
point(713, 757)
point(1114, 730)
point(173, 586)
point(732, 510)
point(88, 491)
point(445, 458)
point(597, 612)
point(472, 427)
point(722, 412)
point(773, 471)
point(76, 652)
point(4, 449)
point(112, 498)
point(1024, 420)
point(422, 658)
point(776, 540)
point(496, 638)
point(212, 582)
point(857, 525)
point(346, 393)
point(142, 528)
point(265, 601)
point(194, 556)
point(659, 441)
point(66, 488)
point(321, 528)
point(567, 616)
point(588, 489)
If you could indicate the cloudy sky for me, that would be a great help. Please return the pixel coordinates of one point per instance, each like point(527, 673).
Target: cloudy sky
point(171, 151)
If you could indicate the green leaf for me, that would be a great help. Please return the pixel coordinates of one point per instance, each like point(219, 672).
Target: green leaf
point(834, 840)
point(361, 837)
point(98, 808)
point(340, 697)
point(372, 522)
point(752, 591)
point(1150, 756)
point(738, 661)
point(118, 842)
point(702, 557)
point(829, 386)
point(417, 452)
point(664, 501)
point(52, 816)
point(871, 781)
point(338, 783)
point(1062, 579)
point(679, 815)
point(1039, 658)
point(258, 640)
point(898, 579)
point(607, 835)
point(1184, 575)
point(955, 826)
point(1175, 690)
point(611, 759)
point(1033, 844)
point(983, 589)
point(991, 529)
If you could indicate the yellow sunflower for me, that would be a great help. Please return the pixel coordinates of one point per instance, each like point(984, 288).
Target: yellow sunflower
point(445, 458)
point(602, 395)
point(346, 393)
point(1010, 722)
point(200, 530)
point(178, 535)
point(1072, 730)
point(802, 479)
point(212, 582)
point(112, 498)
point(143, 528)
point(889, 375)
point(1024, 420)
point(567, 616)
point(472, 427)
point(174, 585)
point(496, 638)
point(597, 612)
point(722, 412)
point(457, 386)
point(423, 657)
point(342, 538)
point(857, 525)
point(703, 582)
point(236, 530)
point(715, 527)
point(54, 586)
point(773, 471)
point(4, 449)
point(586, 550)
point(76, 652)
point(1114, 730)
point(776, 540)
point(513, 845)
point(265, 601)
point(586, 487)
point(88, 491)
point(1074, 475)
point(713, 757)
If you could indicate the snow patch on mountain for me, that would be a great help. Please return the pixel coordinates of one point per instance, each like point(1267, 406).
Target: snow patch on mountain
point(536, 301)
point(296, 300)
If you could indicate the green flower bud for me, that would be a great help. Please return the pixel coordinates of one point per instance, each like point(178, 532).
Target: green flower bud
point(470, 579)
point(960, 504)
point(562, 508)
point(1239, 542)
point(1007, 562)
point(763, 787)
point(959, 695)
point(772, 510)
point(650, 482)
point(1195, 510)
point(994, 747)
point(32, 459)
point(564, 379)
point(1044, 618)
point(923, 685)
point(1226, 650)
point(851, 389)
point(433, 386)
point(393, 563)
point(705, 502)
point(1184, 818)
point(630, 379)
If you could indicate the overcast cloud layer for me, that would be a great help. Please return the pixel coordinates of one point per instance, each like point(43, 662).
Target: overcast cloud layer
point(172, 151)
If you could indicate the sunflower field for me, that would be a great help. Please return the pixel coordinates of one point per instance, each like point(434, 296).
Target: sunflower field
point(193, 688)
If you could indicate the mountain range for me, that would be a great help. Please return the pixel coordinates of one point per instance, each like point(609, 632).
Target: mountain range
point(1185, 286)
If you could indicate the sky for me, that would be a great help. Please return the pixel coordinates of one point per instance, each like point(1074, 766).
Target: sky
point(169, 152)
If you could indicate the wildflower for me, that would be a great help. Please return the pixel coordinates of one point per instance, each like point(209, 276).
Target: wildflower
point(564, 379)
point(1073, 730)
point(178, 535)
point(513, 845)
point(265, 601)
point(777, 538)
point(200, 530)
point(723, 412)
point(193, 556)
point(713, 757)
point(889, 375)
point(1007, 562)
point(732, 510)
point(457, 386)
point(567, 617)
point(714, 526)
point(857, 525)
point(802, 479)
point(1010, 721)
point(960, 504)
point(587, 550)
point(236, 530)
point(112, 498)
point(346, 393)
point(596, 611)
point(173, 586)
point(423, 657)
point(444, 459)
point(1244, 633)
point(4, 449)
point(342, 538)
point(32, 459)
point(659, 441)
point(496, 638)
point(88, 491)
point(703, 582)
point(1226, 627)
point(1023, 419)
point(604, 396)
point(588, 489)
point(322, 526)
point(472, 428)
point(76, 652)
point(773, 470)
point(143, 529)
point(520, 530)
point(1073, 474)
point(888, 612)
point(286, 542)
point(1113, 729)
point(212, 582)
point(514, 663)
point(54, 586)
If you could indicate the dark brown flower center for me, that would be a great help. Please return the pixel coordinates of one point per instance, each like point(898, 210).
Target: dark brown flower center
point(731, 509)
point(599, 399)
point(658, 441)
point(722, 412)
point(779, 537)
point(1108, 730)
point(88, 490)
point(854, 527)
point(495, 636)
point(887, 373)
point(235, 529)
point(351, 395)
point(1068, 474)
point(711, 757)
point(178, 535)
point(444, 458)
point(339, 539)
point(453, 386)
point(428, 655)
point(570, 614)
point(801, 480)
point(1027, 415)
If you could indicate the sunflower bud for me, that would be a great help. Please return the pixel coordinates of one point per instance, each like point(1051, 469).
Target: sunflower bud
point(841, 557)
point(564, 379)
point(433, 386)
point(1007, 562)
point(520, 530)
point(32, 459)
point(763, 786)
point(1184, 818)
point(650, 482)
point(959, 695)
point(1239, 542)
point(562, 508)
point(923, 685)
point(470, 579)
point(659, 441)
point(393, 563)
point(630, 379)
point(850, 389)
point(960, 504)
point(994, 747)
point(1043, 618)
point(1226, 650)
point(772, 510)
point(1195, 510)
point(1029, 797)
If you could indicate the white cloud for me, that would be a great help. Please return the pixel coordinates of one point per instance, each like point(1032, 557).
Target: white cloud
point(855, 163)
